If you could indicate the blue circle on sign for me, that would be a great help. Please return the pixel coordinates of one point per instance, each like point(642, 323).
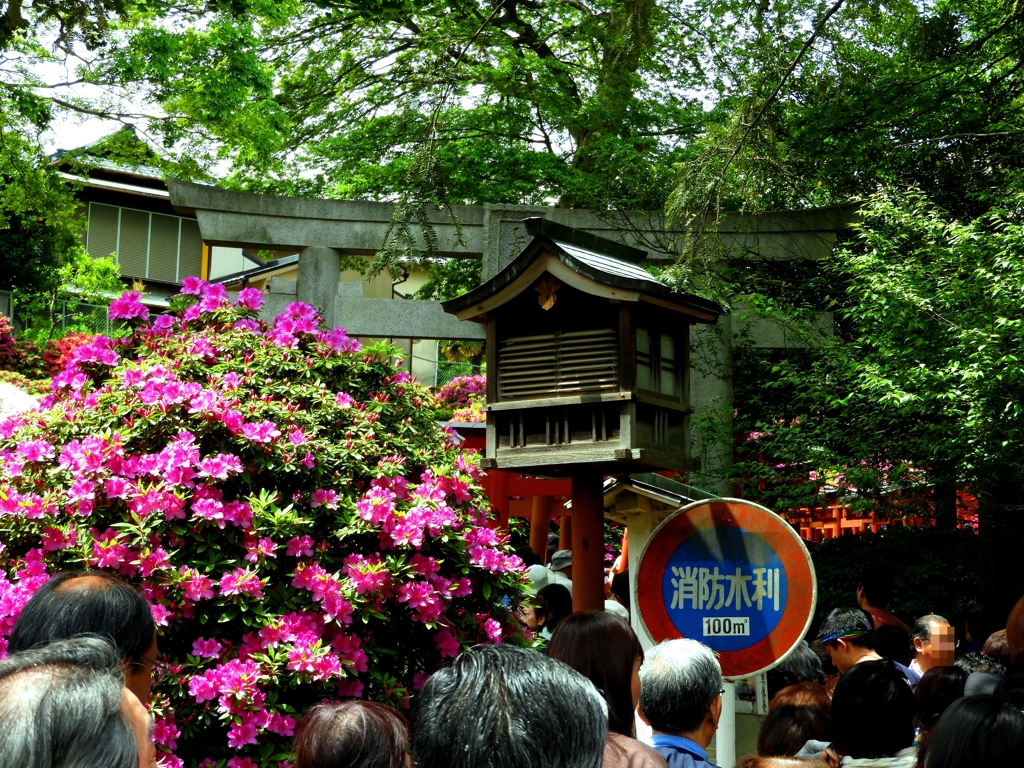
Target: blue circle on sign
point(725, 587)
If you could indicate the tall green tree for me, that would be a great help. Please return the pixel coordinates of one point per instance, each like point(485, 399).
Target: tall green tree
point(920, 388)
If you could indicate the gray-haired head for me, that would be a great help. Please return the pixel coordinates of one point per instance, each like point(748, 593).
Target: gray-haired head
point(922, 628)
point(60, 707)
point(679, 681)
point(504, 707)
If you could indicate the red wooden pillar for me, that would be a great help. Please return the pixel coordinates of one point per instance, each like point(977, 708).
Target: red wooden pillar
point(565, 532)
point(540, 524)
point(499, 499)
point(587, 541)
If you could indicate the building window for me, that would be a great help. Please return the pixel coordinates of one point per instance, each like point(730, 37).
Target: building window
point(146, 245)
point(657, 363)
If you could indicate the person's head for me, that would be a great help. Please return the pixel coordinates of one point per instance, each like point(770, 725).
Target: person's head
point(846, 635)
point(607, 652)
point(64, 705)
point(875, 587)
point(979, 662)
point(1015, 635)
point(892, 642)
point(975, 732)
point(681, 688)
point(803, 694)
point(828, 669)
point(931, 639)
point(94, 603)
point(352, 734)
point(505, 707)
point(873, 711)
point(528, 556)
point(562, 561)
point(939, 687)
point(559, 602)
point(800, 666)
point(620, 589)
point(787, 728)
point(534, 613)
point(997, 648)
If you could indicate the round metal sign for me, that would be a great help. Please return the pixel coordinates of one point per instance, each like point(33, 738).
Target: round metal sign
point(734, 576)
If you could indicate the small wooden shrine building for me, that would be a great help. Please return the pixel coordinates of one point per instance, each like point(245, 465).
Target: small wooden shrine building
point(588, 373)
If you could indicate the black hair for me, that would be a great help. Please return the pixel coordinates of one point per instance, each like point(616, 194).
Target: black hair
point(851, 621)
point(787, 728)
point(528, 556)
point(975, 732)
point(602, 648)
point(60, 707)
point(892, 642)
point(620, 589)
point(938, 688)
point(505, 707)
point(559, 601)
point(978, 662)
point(802, 665)
point(877, 583)
point(873, 711)
point(819, 650)
point(103, 605)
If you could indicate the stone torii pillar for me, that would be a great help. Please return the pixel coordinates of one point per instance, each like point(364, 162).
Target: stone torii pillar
point(317, 281)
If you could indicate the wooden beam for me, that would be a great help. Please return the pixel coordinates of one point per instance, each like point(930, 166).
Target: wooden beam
point(535, 486)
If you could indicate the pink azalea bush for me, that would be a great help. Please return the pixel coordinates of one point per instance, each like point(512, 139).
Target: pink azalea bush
point(462, 392)
point(300, 523)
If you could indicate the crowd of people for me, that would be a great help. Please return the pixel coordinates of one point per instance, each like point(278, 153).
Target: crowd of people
point(866, 690)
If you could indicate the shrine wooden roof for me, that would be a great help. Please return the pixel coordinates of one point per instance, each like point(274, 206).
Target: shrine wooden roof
point(590, 263)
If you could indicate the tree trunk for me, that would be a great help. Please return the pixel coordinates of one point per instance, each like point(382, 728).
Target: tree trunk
point(1001, 531)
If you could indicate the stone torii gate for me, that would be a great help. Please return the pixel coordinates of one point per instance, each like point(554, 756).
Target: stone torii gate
point(322, 231)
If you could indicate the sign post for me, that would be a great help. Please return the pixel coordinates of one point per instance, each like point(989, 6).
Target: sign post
point(735, 576)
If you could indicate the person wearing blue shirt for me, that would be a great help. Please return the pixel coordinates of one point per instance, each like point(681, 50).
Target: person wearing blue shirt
point(681, 699)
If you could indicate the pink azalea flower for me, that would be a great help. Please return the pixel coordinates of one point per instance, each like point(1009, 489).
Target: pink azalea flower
point(308, 461)
point(128, 307)
point(206, 648)
point(324, 498)
point(241, 582)
point(447, 643)
point(350, 689)
point(345, 400)
point(161, 614)
point(250, 298)
point(165, 731)
point(193, 286)
point(300, 546)
point(261, 431)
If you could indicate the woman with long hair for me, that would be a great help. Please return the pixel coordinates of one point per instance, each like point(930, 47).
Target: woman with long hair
point(604, 649)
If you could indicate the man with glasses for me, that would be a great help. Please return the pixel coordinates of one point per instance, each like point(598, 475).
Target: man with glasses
point(681, 699)
point(933, 643)
point(93, 603)
point(846, 635)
